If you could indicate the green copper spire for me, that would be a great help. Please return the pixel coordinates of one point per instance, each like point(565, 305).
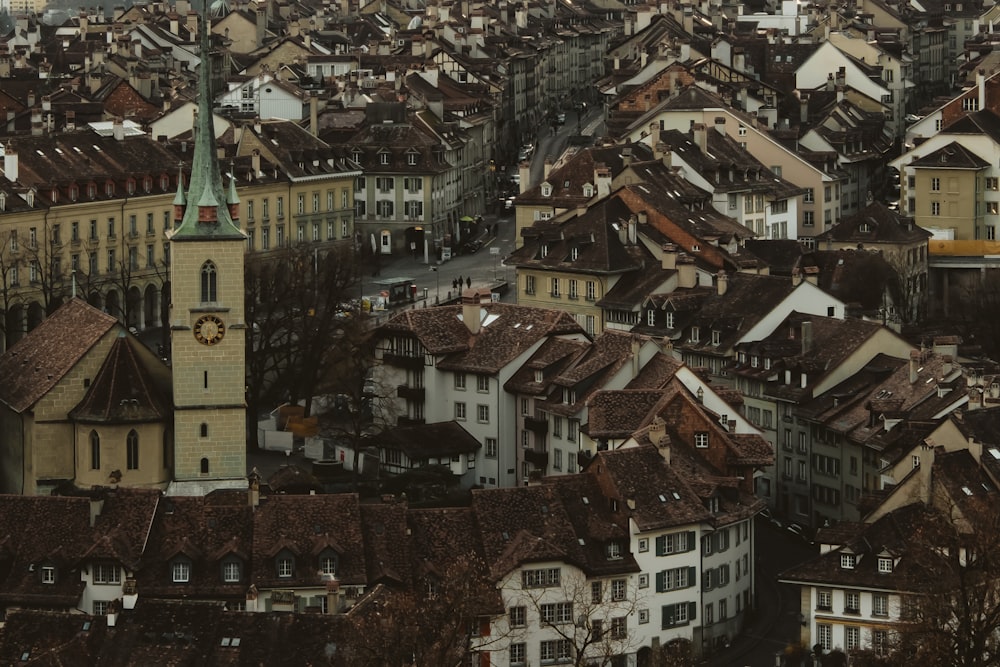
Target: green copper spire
point(204, 215)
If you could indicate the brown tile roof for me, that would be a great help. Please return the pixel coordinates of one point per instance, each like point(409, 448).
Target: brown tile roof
point(130, 387)
point(618, 414)
point(50, 638)
point(37, 362)
point(511, 330)
point(551, 358)
point(206, 532)
point(591, 370)
point(386, 545)
point(655, 373)
point(437, 440)
point(299, 523)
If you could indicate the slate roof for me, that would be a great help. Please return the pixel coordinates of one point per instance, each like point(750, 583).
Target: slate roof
point(419, 443)
point(127, 388)
point(37, 362)
point(499, 341)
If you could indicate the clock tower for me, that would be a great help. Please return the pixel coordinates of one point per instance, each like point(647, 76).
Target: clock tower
point(207, 329)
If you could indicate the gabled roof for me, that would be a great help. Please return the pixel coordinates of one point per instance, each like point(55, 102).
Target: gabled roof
point(438, 440)
point(951, 156)
point(507, 332)
point(875, 223)
point(37, 362)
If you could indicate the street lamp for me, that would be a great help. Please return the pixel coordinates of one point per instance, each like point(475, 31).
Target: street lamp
point(437, 289)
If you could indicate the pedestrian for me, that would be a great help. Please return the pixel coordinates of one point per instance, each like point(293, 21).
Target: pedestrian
point(468, 282)
point(454, 283)
point(460, 281)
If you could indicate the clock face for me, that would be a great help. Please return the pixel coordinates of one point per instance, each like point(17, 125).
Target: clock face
point(209, 329)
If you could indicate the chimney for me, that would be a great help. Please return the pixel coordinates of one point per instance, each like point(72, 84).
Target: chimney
point(332, 596)
point(841, 79)
point(803, 108)
point(796, 276)
point(255, 162)
point(657, 434)
point(313, 113)
point(253, 488)
point(722, 282)
point(812, 275)
point(981, 87)
point(946, 365)
point(807, 336)
point(914, 365)
point(668, 258)
point(118, 129)
point(687, 275)
point(699, 136)
point(472, 311)
point(720, 125)
point(602, 180)
point(10, 163)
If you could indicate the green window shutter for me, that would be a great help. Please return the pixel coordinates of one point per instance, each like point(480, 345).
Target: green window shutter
point(692, 541)
point(692, 610)
point(692, 576)
point(661, 581)
point(661, 545)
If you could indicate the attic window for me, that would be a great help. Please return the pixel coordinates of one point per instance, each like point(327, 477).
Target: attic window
point(865, 227)
point(164, 182)
point(701, 439)
point(109, 189)
point(546, 190)
point(383, 158)
point(538, 376)
point(356, 156)
point(588, 190)
point(884, 565)
point(847, 561)
point(543, 251)
point(754, 361)
point(411, 159)
point(48, 574)
point(574, 253)
point(767, 363)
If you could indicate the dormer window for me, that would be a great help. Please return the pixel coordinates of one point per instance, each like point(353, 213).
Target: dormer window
point(847, 561)
point(651, 317)
point(767, 363)
point(356, 156)
point(539, 377)
point(716, 338)
point(695, 334)
point(884, 565)
point(328, 562)
point(284, 564)
point(54, 195)
point(147, 184)
point(713, 504)
point(546, 190)
point(164, 182)
point(48, 574)
point(614, 550)
point(109, 189)
point(588, 190)
point(411, 159)
point(232, 570)
point(865, 227)
point(107, 573)
point(180, 571)
point(92, 191)
point(130, 186)
point(701, 440)
point(574, 253)
point(383, 157)
point(670, 320)
point(74, 193)
point(543, 251)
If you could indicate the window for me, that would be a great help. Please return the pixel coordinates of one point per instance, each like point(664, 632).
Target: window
point(572, 289)
point(824, 635)
point(555, 287)
point(852, 603)
point(591, 292)
point(132, 450)
point(383, 158)
point(384, 208)
point(884, 565)
point(209, 283)
point(518, 654)
point(824, 600)
point(100, 607)
point(572, 430)
point(328, 563)
point(935, 208)
point(557, 459)
point(300, 204)
point(619, 628)
point(459, 380)
point(674, 543)
point(643, 616)
point(810, 196)
point(542, 578)
point(674, 579)
point(618, 590)
point(709, 614)
point(677, 614)
point(285, 567)
point(460, 411)
point(852, 637)
point(95, 451)
point(558, 612)
point(231, 572)
point(48, 574)
point(992, 183)
point(643, 580)
point(483, 383)
point(107, 573)
point(880, 604)
point(935, 185)
point(413, 210)
point(483, 414)
point(491, 448)
point(181, 571)
point(111, 261)
point(879, 638)
point(643, 544)
point(555, 649)
point(701, 440)
point(384, 183)
point(518, 617)
point(846, 561)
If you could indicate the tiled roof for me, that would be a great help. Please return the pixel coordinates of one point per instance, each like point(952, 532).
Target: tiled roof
point(508, 331)
point(386, 547)
point(618, 414)
point(131, 386)
point(951, 156)
point(875, 223)
point(551, 358)
point(299, 523)
point(37, 362)
point(419, 443)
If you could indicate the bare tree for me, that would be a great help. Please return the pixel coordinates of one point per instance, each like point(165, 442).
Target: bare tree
point(590, 617)
point(908, 284)
point(11, 264)
point(953, 617)
point(297, 317)
point(439, 621)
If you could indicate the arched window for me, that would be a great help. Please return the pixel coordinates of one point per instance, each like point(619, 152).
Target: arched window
point(208, 283)
point(132, 450)
point(204, 430)
point(204, 466)
point(95, 451)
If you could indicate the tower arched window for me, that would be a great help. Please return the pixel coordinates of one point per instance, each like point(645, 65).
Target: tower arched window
point(132, 450)
point(95, 451)
point(204, 466)
point(209, 283)
point(204, 430)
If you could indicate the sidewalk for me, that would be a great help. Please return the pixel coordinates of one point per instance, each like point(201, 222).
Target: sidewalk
point(770, 608)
